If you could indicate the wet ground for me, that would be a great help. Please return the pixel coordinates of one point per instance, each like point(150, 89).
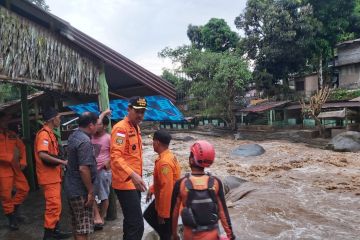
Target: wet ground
point(294, 191)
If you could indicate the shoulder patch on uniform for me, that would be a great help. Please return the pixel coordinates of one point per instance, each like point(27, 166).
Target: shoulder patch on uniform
point(45, 142)
point(121, 134)
point(119, 140)
point(164, 170)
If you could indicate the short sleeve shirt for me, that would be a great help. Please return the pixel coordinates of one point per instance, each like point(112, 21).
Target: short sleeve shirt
point(46, 141)
point(102, 149)
point(80, 153)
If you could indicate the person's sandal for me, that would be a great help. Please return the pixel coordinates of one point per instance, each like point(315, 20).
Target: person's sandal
point(98, 226)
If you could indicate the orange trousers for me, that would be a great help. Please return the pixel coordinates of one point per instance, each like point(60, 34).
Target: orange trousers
point(7, 185)
point(52, 193)
point(208, 235)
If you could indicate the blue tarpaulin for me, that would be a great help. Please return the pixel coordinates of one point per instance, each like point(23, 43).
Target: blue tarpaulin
point(159, 108)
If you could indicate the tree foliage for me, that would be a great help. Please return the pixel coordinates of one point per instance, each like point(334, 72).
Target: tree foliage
point(9, 92)
point(215, 36)
point(216, 71)
point(278, 35)
point(287, 37)
point(336, 18)
point(182, 85)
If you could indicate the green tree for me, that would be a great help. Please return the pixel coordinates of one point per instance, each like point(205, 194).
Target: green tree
point(278, 35)
point(215, 70)
point(338, 22)
point(286, 37)
point(355, 21)
point(9, 92)
point(215, 36)
point(216, 79)
point(182, 85)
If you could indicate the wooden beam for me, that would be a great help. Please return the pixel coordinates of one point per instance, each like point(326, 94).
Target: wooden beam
point(28, 81)
point(117, 95)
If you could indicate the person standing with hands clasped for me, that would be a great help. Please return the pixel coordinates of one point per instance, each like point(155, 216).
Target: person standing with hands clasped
point(80, 176)
point(48, 171)
point(166, 172)
point(126, 166)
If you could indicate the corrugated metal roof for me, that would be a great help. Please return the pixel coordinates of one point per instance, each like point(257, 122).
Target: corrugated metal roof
point(329, 105)
point(333, 114)
point(355, 99)
point(342, 44)
point(264, 106)
point(92, 46)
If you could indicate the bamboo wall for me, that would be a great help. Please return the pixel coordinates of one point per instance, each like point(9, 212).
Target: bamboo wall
point(33, 55)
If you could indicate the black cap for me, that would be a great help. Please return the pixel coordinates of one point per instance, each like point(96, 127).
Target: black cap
point(138, 102)
point(49, 113)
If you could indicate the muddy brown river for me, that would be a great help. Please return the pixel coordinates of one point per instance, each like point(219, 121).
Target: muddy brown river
point(292, 191)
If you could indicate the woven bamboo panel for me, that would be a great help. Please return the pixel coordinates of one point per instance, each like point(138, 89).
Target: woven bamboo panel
point(35, 56)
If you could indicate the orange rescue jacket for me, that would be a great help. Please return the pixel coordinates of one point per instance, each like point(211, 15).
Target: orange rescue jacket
point(46, 141)
point(166, 172)
point(179, 197)
point(125, 154)
point(8, 141)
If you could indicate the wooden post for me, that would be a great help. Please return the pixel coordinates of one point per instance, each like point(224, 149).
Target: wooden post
point(346, 118)
point(270, 117)
point(29, 172)
point(103, 105)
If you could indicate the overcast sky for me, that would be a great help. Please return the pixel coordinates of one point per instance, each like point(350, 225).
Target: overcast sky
point(139, 29)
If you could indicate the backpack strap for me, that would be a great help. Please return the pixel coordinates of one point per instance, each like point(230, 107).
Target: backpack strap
point(211, 188)
point(188, 183)
point(189, 188)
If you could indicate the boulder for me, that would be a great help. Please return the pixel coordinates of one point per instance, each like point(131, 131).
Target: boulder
point(247, 150)
point(182, 138)
point(345, 142)
point(231, 182)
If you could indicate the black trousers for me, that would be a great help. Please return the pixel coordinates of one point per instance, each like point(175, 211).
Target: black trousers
point(164, 230)
point(133, 225)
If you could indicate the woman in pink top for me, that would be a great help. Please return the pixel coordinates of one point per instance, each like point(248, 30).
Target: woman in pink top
point(101, 142)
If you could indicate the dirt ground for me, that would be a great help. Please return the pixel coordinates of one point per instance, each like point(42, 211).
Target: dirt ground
point(294, 190)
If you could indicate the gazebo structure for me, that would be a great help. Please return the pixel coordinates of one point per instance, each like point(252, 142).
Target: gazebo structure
point(40, 50)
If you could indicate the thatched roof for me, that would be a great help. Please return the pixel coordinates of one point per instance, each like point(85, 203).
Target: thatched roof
point(64, 44)
point(35, 56)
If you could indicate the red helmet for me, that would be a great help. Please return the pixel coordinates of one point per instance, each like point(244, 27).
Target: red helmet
point(203, 152)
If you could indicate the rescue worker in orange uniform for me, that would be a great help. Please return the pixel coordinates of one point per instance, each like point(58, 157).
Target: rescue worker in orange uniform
point(48, 170)
point(12, 162)
point(202, 197)
point(126, 165)
point(166, 172)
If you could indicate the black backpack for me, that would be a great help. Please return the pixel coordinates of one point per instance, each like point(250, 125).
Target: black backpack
point(201, 210)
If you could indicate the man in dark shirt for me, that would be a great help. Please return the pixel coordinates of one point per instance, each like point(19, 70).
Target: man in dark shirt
point(80, 176)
